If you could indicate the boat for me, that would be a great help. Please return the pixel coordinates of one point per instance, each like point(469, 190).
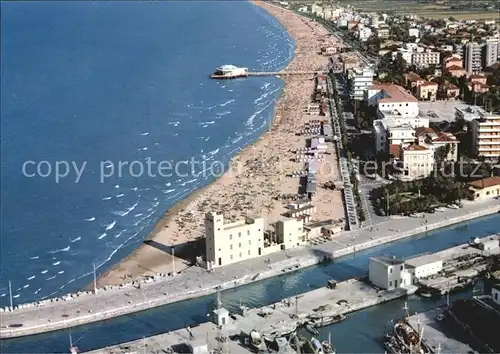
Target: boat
point(321, 321)
point(229, 72)
point(318, 348)
point(328, 348)
point(311, 329)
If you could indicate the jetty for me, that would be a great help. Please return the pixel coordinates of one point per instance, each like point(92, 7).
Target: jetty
point(284, 73)
point(269, 321)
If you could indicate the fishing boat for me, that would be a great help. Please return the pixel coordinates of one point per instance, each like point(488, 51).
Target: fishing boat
point(408, 340)
point(321, 321)
point(311, 329)
point(318, 348)
point(327, 346)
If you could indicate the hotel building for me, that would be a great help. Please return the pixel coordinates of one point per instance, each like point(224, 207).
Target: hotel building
point(486, 135)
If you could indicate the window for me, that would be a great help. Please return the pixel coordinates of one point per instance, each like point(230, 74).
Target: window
point(401, 267)
point(249, 252)
point(231, 257)
point(390, 283)
point(390, 270)
point(249, 242)
point(239, 245)
point(240, 254)
point(230, 247)
point(239, 234)
point(248, 232)
point(230, 236)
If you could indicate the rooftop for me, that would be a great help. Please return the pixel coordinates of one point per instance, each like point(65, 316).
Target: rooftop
point(393, 93)
point(415, 147)
point(454, 67)
point(388, 261)
point(486, 182)
point(395, 150)
point(423, 260)
point(428, 83)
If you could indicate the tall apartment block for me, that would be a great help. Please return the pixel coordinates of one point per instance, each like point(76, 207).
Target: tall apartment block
point(486, 135)
point(472, 57)
point(490, 52)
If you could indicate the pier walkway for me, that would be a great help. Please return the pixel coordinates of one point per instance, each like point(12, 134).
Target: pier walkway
point(348, 296)
point(194, 282)
point(284, 73)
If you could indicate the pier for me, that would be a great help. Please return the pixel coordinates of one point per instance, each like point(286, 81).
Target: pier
point(285, 73)
point(348, 296)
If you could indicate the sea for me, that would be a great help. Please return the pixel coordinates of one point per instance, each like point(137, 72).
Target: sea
point(106, 105)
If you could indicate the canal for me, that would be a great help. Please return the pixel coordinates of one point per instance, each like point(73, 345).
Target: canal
point(360, 333)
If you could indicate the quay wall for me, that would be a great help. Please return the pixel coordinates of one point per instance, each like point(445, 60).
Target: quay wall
point(278, 268)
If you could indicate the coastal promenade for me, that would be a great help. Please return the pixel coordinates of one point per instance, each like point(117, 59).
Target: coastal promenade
point(195, 282)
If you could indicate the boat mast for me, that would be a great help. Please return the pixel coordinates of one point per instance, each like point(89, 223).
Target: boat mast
point(406, 308)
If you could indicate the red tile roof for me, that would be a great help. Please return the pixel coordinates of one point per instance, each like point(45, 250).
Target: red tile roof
point(395, 150)
point(486, 182)
point(454, 68)
point(428, 83)
point(414, 147)
point(396, 93)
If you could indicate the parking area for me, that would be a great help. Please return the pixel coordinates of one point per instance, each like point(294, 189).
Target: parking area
point(439, 110)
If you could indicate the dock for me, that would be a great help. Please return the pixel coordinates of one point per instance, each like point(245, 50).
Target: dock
point(285, 73)
point(348, 296)
point(437, 334)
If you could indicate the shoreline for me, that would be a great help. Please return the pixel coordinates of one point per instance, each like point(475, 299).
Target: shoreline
point(146, 260)
point(112, 303)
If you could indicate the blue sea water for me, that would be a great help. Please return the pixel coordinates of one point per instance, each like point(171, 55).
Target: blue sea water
point(87, 82)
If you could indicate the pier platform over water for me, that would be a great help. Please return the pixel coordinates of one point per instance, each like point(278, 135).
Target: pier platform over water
point(284, 73)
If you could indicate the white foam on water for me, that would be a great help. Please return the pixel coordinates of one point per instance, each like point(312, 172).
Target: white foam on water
point(35, 257)
point(120, 195)
point(102, 236)
point(117, 186)
point(168, 191)
point(31, 278)
point(106, 198)
point(16, 296)
point(90, 219)
point(76, 239)
point(126, 212)
point(26, 286)
point(134, 189)
point(37, 291)
point(60, 272)
point(110, 226)
point(226, 103)
point(168, 184)
point(214, 152)
point(137, 215)
point(52, 277)
point(234, 141)
point(119, 234)
point(65, 249)
point(18, 289)
point(225, 113)
point(56, 263)
point(108, 165)
point(144, 134)
point(44, 271)
point(207, 123)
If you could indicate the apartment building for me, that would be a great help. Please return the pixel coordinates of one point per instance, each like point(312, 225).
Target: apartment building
point(472, 57)
point(486, 135)
point(425, 59)
point(360, 80)
point(228, 243)
point(490, 52)
point(383, 31)
point(414, 32)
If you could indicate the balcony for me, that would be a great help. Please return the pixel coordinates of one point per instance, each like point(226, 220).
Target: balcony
point(494, 149)
point(484, 142)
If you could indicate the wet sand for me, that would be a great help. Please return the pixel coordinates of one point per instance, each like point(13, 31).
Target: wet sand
point(257, 176)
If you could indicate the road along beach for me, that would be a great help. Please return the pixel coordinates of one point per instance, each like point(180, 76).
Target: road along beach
point(194, 282)
point(258, 173)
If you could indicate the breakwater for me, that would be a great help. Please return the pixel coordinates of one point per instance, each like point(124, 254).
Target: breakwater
point(196, 282)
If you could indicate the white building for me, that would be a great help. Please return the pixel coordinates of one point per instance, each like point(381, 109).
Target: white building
point(424, 266)
point(403, 134)
point(360, 80)
point(414, 32)
point(228, 243)
point(413, 161)
point(363, 33)
point(472, 57)
point(392, 101)
point(490, 55)
point(425, 59)
point(405, 53)
point(232, 242)
point(434, 139)
point(486, 135)
point(388, 272)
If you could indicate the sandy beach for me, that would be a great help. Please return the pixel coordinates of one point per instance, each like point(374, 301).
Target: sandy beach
point(258, 174)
